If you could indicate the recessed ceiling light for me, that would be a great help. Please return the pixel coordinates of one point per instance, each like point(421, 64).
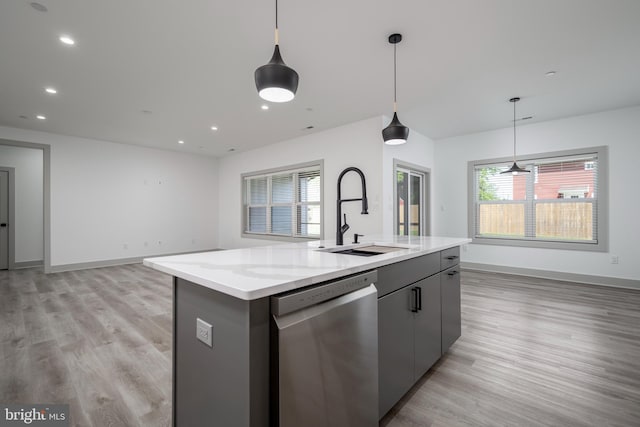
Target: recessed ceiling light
point(51, 90)
point(231, 149)
point(214, 127)
point(39, 7)
point(23, 117)
point(181, 142)
point(67, 40)
point(41, 117)
point(146, 111)
point(265, 107)
point(550, 73)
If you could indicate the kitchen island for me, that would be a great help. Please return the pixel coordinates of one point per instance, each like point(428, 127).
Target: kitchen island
point(222, 316)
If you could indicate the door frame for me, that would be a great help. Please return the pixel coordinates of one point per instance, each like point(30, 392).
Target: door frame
point(12, 215)
point(426, 194)
point(46, 196)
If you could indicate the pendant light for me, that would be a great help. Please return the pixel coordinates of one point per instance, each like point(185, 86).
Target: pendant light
point(514, 169)
point(396, 133)
point(275, 81)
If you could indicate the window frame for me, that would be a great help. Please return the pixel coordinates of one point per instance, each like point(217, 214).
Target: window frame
point(602, 202)
point(289, 169)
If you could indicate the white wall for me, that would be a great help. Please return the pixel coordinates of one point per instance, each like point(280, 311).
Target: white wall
point(419, 150)
point(28, 200)
point(619, 130)
point(357, 144)
point(105, 195)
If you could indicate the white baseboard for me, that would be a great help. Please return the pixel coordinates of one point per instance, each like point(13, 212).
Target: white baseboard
point(615, 282)
point(113, 262)
point(27, 264)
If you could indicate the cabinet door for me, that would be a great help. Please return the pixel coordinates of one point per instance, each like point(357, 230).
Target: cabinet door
point(427, 325)
point(395, 347)
point(451, 322)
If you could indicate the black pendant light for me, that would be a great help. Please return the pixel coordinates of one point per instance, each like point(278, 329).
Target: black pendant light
point(275, 81)
point(514, 169)
point(396, 133)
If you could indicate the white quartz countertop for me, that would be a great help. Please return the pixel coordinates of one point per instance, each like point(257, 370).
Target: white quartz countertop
point(258, 272)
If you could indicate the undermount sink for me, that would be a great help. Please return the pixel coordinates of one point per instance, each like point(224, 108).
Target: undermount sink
point(356, 252)
point(369, 250)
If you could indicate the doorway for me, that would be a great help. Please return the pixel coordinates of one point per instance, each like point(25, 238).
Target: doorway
point(411, 210)
point(44, 231)
point(6, 207)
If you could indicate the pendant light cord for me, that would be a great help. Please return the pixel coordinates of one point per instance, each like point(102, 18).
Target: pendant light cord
point(514, 132)
point(395, 80)
point(277, 38)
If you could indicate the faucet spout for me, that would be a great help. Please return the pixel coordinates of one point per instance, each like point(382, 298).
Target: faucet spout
point(340, 229)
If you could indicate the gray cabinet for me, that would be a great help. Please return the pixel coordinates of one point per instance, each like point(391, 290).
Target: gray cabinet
point(450, 295)
point(427, 325)
point(409, 338)
point(395, 347)
point(418, 320)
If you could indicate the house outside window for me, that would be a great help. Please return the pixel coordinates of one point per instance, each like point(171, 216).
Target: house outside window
point(561, 204)
point(284, 203)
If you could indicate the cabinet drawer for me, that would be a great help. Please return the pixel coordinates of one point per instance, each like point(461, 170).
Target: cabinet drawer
point(449, 257)
point(395, 276)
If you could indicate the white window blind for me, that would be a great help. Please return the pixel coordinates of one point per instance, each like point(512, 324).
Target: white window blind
point(558, 202)
point(284, 203)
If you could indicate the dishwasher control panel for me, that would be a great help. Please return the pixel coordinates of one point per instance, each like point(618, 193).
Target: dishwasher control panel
point(295, 300)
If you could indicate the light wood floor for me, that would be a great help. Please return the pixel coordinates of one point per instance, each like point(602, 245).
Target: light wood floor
point(97, 339)
point(533, 352)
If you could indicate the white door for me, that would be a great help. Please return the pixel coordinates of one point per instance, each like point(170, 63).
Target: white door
point(4, 220)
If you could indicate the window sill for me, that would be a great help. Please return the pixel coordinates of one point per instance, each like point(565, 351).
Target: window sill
point(278, 238)
point(542, 244)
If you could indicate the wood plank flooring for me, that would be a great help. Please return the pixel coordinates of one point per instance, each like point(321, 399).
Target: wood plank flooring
point(533, 352)
point(98, 339)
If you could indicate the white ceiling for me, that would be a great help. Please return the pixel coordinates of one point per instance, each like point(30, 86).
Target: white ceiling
point(191, 64)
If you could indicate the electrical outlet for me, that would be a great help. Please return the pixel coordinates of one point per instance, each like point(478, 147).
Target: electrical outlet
point(614, 259)
point(204, 332)
point(159, 242)
point(146, 244)
point(125, 246)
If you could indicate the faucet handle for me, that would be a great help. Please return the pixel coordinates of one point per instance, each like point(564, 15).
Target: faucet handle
point(345, 227)
point(355, 237)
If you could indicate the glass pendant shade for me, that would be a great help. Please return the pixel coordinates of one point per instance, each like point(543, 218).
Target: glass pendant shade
point(396, 133)
point(275, 81)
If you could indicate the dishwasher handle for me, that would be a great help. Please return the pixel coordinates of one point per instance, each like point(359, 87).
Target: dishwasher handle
point(307, 297)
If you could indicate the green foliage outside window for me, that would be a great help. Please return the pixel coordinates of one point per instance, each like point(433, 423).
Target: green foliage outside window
point(487, 190)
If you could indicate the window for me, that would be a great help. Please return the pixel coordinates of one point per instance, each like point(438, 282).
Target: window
point(560, 204)
point(284, 203)
point(411, 199)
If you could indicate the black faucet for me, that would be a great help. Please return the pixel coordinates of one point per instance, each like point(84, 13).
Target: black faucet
point(340, 228)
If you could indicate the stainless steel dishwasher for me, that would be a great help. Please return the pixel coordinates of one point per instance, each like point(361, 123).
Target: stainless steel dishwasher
point(325, 354)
